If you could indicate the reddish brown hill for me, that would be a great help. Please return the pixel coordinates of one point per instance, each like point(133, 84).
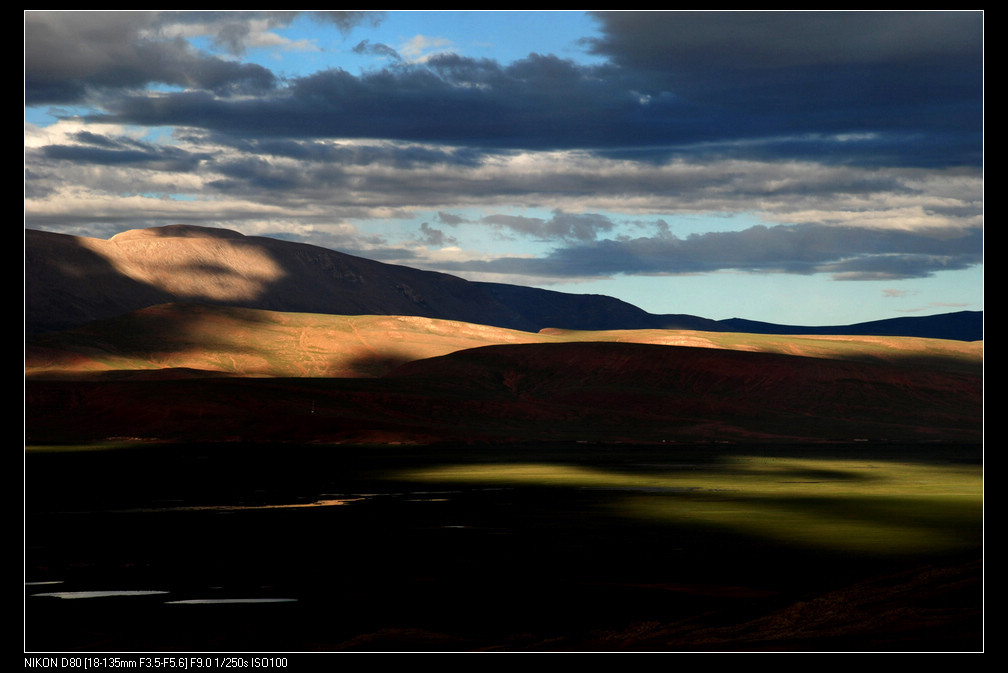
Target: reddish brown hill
point(531, 392)
point(648, 389)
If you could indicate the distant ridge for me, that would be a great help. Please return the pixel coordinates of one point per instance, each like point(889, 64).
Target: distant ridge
point(71, 281)
point(959, 326)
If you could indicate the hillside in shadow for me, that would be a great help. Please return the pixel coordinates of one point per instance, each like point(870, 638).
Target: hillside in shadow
point(589, 391)
point(445, 358)
point(223, 340)
point(140, 268)
point(70, 281)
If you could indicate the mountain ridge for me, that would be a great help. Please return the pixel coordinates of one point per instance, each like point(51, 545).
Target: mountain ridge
point(203, 335)
point(218, 340)
point(139, 268)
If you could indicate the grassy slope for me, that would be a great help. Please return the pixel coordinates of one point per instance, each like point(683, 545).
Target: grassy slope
point(255, 343)
point(189, 372)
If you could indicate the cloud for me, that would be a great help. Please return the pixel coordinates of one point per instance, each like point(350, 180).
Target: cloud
point(562, 226)
point(382, 50)
point(99, 150)
point(421, 48)
point(345, 20)
point(449, 99)
point(741, 41)
point(895, 76)
point(839, 85)
point(855, 137)
point(435, 237)
point(449, 218)
point(340, 179)
point(846, 253)
point(72, 56)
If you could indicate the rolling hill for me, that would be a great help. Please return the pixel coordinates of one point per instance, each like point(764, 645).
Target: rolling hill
point(189, 334)
point(562, 391)
point(248, 379)
point(221, 340)
point(71, 281)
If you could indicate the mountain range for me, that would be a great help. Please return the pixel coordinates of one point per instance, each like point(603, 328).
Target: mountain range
point(199, 385)
point(190, 334)
point(71, 281)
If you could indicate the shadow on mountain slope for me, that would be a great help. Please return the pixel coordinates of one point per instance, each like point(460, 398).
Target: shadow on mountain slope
point(534, 392)
point(71, 281)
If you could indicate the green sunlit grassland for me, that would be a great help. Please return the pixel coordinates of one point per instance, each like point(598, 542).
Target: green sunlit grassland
point(877, 506)
point(873, 506)
point(544, 546)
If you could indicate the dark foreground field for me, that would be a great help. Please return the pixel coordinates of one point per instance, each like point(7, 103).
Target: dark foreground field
point(579, 547)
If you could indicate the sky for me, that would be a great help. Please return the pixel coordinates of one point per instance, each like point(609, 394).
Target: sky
point(797, 167)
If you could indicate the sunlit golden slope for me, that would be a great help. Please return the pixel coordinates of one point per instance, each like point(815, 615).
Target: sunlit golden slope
point(186, 339)
point(563, 391)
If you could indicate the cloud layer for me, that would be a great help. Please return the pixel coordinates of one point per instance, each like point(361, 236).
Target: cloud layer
point(855, 137)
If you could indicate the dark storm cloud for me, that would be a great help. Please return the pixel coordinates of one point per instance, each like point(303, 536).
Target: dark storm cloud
point(913, 78)
point(71, 56)
point(751, 41)
point(450, 99)
point(848, 253)
point(885, 88)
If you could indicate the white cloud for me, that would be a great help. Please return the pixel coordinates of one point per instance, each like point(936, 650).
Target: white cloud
point(421, 48)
